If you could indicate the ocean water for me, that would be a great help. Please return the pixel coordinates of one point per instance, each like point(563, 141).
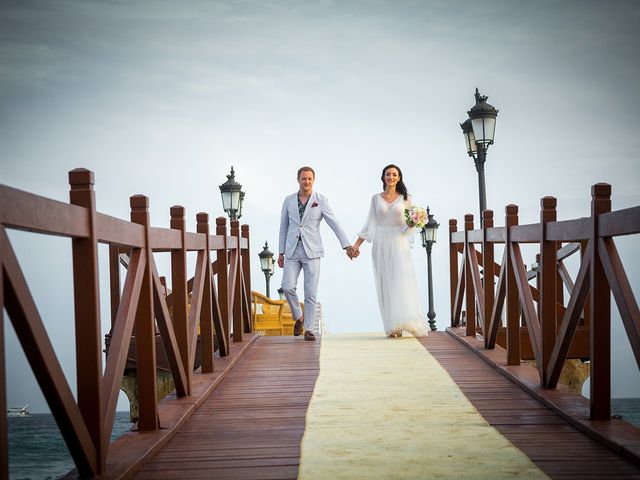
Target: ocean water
point(37, 450)
point(627, 408)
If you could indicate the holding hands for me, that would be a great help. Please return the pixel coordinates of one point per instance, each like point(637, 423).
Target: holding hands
point(352, 252)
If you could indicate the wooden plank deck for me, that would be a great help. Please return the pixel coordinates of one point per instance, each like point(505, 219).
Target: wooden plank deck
point(557, 448)
point(252, 424)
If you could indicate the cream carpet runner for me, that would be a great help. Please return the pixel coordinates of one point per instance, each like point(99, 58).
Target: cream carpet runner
point(385, 408)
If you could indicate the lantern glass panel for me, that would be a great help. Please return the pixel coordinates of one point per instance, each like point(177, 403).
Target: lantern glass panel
point(470, 139)
point(264, 263)
point(484, 129)
point(235, 200)
point(430, 234)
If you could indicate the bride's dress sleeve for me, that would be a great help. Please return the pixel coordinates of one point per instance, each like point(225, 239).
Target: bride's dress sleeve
point(369, 229)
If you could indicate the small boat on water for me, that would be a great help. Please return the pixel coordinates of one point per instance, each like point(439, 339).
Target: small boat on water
point(18, 411)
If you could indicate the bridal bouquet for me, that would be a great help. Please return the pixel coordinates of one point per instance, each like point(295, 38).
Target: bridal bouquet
point(416, 216)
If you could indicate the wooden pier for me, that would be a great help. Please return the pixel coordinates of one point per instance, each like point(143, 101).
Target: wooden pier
point(239, 410)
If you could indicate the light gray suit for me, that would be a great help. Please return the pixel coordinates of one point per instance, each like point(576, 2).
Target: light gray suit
point(301, 244)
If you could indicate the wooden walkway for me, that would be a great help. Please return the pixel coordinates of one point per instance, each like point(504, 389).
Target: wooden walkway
point(252, 424)
point(557, 448)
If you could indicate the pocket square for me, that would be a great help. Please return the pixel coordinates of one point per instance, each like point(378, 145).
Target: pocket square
point(315, 204)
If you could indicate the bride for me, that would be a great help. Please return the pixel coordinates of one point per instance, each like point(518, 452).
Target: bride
point(398, 298)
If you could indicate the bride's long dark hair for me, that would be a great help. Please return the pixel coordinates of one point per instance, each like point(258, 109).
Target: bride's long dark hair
point(400, 186)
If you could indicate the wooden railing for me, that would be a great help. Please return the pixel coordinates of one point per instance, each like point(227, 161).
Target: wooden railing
point(551, 327)
point(220, 305)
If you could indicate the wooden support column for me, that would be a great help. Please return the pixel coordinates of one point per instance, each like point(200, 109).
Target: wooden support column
point(453, 269)
point(237, 286)
point(600, 309)
point(246, 276)
point(488, 267)
point(223, 283)
point(206, 313)
point(470, 293)
point(512, 299)
point(548, 274)
point(179, 290)
point(4, 436)
point(145, 327)
point(86, 293)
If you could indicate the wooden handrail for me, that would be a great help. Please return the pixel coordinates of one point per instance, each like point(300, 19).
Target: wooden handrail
point(552, 327)
point(140, 306)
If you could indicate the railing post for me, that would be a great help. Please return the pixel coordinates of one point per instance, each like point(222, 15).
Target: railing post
point(179, 289)
point(86, 292)
point(145, 327)
point(489, 272)
point(548, 274)
point(470, 294)
point(223, 280)
point(453, 269)
point(512, 300)
point(4, 427)
point(246, 272)
point(237, 286)
point(206, 313)
point(600, 308)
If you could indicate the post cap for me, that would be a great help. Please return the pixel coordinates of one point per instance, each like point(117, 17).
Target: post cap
point(202, 217)
point(177, 211)
point(511, 209)
point(488, 214)
point(221, 221)
point(81, 176)
point(601, 190)
point(139, 202)
point(549, 202)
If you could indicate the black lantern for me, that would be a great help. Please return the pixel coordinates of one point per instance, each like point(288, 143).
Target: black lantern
point(479, 130)
point(469, 138)
point(232, 197)
point(266, 264)
point(428, 234)
point(483, 120)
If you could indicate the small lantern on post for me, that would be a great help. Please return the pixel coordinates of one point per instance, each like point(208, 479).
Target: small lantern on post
point(232, 197)
point(266, 264)
point(428, 234)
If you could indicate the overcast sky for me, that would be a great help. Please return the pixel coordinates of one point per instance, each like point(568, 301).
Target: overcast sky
point(161, 98)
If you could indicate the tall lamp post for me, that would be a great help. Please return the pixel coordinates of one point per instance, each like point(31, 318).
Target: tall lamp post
point(428, 234)
point(479, 130)
point(232, 197)
point(266, 264)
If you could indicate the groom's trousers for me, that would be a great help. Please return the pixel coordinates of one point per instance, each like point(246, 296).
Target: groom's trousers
point(311, 267)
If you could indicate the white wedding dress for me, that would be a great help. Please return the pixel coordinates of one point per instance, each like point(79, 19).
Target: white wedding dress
point(395, 279)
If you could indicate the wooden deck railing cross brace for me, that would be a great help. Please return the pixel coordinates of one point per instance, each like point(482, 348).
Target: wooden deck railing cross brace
point(582, 328)
point(138, 307)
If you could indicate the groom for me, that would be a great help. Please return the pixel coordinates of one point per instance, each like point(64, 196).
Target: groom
point(301, 246)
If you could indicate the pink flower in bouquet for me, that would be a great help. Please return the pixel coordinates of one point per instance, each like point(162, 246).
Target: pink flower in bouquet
point(416, 216)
